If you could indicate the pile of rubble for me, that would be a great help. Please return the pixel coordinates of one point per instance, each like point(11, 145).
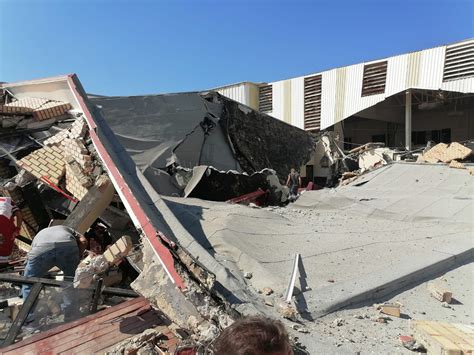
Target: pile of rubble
point(374, 155)
point(31, 112)
point(53, 169)
point(151, 172)
point(454, 154)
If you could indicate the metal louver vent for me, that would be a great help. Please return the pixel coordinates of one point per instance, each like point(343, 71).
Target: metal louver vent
point(375, 76)
point(265, 98)
point(459, 61)
point(312, 102)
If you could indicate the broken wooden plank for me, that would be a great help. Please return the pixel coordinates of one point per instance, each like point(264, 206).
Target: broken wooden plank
point(444, 338)
point(24, 311)
point(46, 340)
point(16, 279)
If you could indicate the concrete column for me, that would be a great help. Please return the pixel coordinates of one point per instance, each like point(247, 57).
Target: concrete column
point(408, 120)
point(92, 205)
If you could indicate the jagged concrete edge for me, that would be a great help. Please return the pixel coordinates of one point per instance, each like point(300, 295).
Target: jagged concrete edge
point(186, 241)
point(151, 201)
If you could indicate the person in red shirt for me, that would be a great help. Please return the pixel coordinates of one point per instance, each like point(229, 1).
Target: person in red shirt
point(10, 225)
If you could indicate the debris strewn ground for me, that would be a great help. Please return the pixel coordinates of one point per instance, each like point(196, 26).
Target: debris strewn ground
point(182, 200)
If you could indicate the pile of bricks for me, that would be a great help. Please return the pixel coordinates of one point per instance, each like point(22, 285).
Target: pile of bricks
point(78, 129)
point(64, 153)
point(446, 153)
point(51, 109)
point(23, 106)
point(41, 109)
point(76, 150)
point(57, 139)
point(77, 182)
point(47, 162)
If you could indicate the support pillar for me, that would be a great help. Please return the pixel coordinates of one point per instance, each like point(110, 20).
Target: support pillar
point(408, 120)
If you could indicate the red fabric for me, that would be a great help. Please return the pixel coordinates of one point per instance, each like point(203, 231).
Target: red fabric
point(7, 235)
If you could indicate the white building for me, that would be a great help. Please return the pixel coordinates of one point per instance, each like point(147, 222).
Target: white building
point(403, 100)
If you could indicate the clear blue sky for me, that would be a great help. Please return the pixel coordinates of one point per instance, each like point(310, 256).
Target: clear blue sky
point(136, 47)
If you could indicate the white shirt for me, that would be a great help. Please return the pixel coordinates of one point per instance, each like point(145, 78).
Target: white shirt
point(7, 207)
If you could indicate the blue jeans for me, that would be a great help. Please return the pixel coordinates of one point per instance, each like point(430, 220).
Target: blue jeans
point(41, 258)
point(294, 190)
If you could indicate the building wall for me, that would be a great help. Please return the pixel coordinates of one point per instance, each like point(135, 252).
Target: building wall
point(361, 130)
point(342, 87)
point(245, 93)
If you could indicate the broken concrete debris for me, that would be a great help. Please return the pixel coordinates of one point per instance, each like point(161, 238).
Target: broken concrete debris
point(446, 153)
point(410, 343)
point(439, 292)
point(204, 145)
point(93, 267)
point(390, 309)
point(457, 165)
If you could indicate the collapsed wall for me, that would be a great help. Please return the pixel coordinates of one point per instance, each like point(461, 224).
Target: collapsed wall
point(135, 146)
point(168, 135)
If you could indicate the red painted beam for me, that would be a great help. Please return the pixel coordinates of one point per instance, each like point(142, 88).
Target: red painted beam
point(247, 198)
point(150, 232)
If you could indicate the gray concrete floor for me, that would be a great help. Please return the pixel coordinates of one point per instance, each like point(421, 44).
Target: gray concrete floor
point(371, 337)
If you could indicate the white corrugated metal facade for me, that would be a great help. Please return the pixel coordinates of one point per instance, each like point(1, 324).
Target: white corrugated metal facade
point(245, 93)
point(342, 87)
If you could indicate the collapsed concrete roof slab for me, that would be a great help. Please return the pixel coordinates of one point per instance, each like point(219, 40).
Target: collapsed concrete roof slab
point(384, 229)
point(203, 129)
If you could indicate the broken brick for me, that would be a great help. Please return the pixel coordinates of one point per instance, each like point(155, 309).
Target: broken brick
point(78, 129)
point(75, 149)
point(457, 165)
point(77, 183)
point(45, 162)
point(23, 106)
point(118, 250)
point(446, 153)
point(51, 109)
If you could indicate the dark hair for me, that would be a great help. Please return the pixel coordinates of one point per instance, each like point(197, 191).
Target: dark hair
point(253, 336)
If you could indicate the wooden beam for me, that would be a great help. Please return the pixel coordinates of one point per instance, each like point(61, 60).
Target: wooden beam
point(16, 279)
point(21, 317)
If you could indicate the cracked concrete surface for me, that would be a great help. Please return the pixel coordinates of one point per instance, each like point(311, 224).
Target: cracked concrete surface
point(360, 243)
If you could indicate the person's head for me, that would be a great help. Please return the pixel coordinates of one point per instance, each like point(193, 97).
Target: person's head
point(254, 336)
point(293, 170)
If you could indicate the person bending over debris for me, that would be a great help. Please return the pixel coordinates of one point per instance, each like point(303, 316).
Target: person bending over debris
point(293, 182)
point(8, 229)
point(59, 246)
point(254, 336)
point(98, 238)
